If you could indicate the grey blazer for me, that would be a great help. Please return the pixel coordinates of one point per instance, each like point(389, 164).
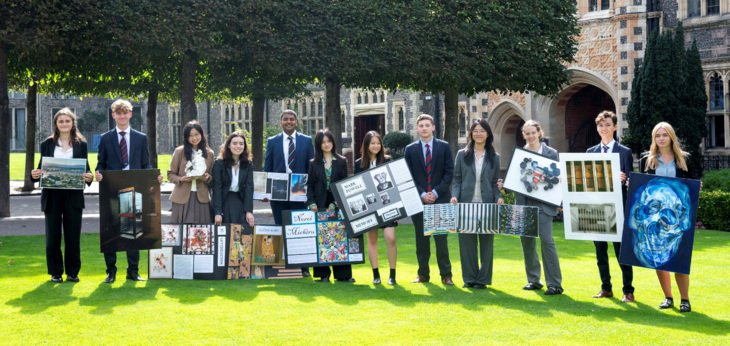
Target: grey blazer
point(462, 186)
point(548, 209)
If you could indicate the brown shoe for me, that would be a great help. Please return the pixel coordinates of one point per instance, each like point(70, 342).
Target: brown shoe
point(447, 281)
point(628, 298)
point(603, 294)
point(420, 280)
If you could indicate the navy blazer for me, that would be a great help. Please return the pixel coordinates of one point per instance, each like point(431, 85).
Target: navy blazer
point(548, 209)
point(80, 151)
point(625, 157)
point(275, 162)
point(110, 157)
point(442, 171)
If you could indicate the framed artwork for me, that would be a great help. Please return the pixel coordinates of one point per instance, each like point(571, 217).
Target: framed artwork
point(160, 263)
point(592, 200)
point(535, 176)
point(61, 173)
point(313, 239)
point(171, 234)
point(660, 223)
point(268, 245)
point(280, 186)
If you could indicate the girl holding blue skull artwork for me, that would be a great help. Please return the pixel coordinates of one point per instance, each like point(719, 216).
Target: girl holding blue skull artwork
point(662, 215)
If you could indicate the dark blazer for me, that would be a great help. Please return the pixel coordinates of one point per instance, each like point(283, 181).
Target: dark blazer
point(625, 157)
point(544, 207)
point(317, 192)
point(222, 183)
point(465, 179)
point(110, 158)
point(360, 170)
point(274, 160)
point(80, 151)
point(442, 168)
point(680, 173)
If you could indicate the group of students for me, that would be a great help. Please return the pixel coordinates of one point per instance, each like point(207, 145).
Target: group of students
point(226, 182)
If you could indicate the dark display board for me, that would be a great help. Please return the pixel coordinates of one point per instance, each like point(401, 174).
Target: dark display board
point(319, 239)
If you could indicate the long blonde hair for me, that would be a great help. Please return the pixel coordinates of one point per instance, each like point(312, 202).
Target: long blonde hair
point(680, 156)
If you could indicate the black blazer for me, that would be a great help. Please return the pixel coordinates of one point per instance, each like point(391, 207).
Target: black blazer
point(442, 167)
point(358, 169)
point(110, 158)
point(222, 183)
point(317, 192)
point(75, 197)
point(680, 173)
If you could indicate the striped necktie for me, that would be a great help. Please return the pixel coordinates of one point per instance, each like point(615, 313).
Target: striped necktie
point(290, 158)
point(123, 149)
point(428, 168)
point(605, 148)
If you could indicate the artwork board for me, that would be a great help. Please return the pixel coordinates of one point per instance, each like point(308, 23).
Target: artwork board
point(60, 173)
point(319, 239)
point(280, 186)
point(480, 218)
point(661, 213)
point(129, 210)
point(268, 245)
point(377, 197)
point(535, 176)
point(592, 199)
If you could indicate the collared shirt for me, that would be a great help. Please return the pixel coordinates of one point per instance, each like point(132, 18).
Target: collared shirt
point(61, 153)
point(423, 150)
point(285, 147)
point(666, 169)
point(235, 171)
point(609, 145)
point(126, 137)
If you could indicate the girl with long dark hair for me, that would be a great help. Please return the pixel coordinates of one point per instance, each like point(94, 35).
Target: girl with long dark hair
point(233, 183)
point(190, 171)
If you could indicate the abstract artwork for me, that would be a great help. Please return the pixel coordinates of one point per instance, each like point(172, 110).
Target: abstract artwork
point(535, 176)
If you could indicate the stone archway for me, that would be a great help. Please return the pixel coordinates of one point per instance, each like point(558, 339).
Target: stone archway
point(506, 120)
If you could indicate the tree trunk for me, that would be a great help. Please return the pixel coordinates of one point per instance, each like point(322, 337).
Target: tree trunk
point(257, 130)
point(152, 125)
point(451, 121)
point(188, 110)
point(4, 133)
point(30, 125)
point(332, 111)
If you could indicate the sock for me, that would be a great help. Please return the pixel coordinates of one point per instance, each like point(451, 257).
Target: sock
point(685, 301)
point(392, 273)
point(376, 273)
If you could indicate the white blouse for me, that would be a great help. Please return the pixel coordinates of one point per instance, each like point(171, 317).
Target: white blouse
point(62, 153)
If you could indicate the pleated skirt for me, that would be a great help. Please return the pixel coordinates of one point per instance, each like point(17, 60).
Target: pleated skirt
point(191, 212)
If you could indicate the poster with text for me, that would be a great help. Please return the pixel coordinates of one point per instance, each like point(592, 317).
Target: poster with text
point(313, 239)
point(535, 176)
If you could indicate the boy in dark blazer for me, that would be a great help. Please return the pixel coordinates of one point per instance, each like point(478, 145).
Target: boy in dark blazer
point(278, 160)
point(122, 148)
point(432, 167)
point(606, 122)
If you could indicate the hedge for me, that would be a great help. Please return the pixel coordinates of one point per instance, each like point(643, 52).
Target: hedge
point(713, 210)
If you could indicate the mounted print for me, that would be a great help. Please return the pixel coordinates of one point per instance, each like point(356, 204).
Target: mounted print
point(317, 239)
point(592, 200)
point(660, 223)
point(61, 173)
point(535, 176)
point(377, 196)
point(268, 245)
point(171, 235)
point(160, 263)
point(129, 210)
point(480, 218)
point(280, 186)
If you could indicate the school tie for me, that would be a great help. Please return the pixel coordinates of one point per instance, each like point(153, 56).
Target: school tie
point(428, 168)
point(292, 148)
point(605, 148)
point(123, 149)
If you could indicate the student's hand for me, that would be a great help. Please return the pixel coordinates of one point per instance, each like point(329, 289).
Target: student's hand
point(500, 183)
point(623, 176)
point(88, 177)
point(265, 200)
point(207, 177)
point(454, 200)
point(36, 173)
point(313, 207)
point(500, 201)
point(98, 176)
point(218, 219)
point(249, 218)
point(159, 179)
point(185, 179)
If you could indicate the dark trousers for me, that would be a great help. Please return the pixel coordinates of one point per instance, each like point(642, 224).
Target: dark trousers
point(341, 272)
point(603, 267)
point(423, 250)
point(62, 220)
point(132, 262)
point(278, 206)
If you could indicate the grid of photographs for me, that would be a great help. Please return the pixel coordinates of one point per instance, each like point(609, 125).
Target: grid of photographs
point(280, 186)
point(480, 218)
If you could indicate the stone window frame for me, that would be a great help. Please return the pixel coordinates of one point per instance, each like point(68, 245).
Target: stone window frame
point(716, 92)
point(723, 6)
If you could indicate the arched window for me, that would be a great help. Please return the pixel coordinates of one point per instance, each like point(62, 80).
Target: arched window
point(312, 108)
point(247, 111)
point(713, 7)
point(359, 98)
point(463, 122)
point(366, 98)
point(320, 105)
point(693, 8)
point(228, 114)
point(401, 120)
point(717, 102)
point(382, 97)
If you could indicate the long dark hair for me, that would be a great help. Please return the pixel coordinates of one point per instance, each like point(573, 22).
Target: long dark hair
point(380, 157)
point(187, 147)
point(226, 155)
point(318, 153)
point(488, 145)
point(75, 134)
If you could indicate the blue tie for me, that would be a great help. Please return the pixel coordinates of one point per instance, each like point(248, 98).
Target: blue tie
point(605, 148)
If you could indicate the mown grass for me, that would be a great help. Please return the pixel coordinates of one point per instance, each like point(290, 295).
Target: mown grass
point(304, 312)
point(17, 164)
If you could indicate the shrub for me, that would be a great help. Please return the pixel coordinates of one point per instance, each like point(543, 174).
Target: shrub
point(396, 142)
point(716, 180)
point(713, 209)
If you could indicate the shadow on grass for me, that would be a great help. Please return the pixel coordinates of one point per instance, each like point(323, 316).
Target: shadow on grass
point(105, 298)
point(43, 297)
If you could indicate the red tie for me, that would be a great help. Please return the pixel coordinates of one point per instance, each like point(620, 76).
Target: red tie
point(428, 168)
point(123, 149)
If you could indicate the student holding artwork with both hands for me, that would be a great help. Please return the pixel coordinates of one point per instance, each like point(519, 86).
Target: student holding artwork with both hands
point(190, 171)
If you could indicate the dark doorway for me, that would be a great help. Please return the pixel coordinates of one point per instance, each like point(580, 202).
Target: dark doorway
point(580, 114)
point(365, 123)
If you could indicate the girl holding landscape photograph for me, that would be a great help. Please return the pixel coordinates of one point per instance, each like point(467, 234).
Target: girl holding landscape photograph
point(326, 168)
point(372, 154)
point(190, 171)
point(63, 208)
point(233, 182)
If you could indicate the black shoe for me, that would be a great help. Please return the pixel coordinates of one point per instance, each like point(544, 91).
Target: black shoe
point(376, 281)
point(305, 273)
point(553, 291)
point(468, 285)
point(479, 286)
point(324, 279)
point(56, 279)
point(350, 280)
point(531, 286)
point(667, 303)
point(72, 278)
point(110, 278)
point(391, 281)
point(684, 306)
point(134, 277)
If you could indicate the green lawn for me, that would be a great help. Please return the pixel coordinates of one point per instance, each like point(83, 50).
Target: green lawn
point(17, 164)
point(304, 312)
